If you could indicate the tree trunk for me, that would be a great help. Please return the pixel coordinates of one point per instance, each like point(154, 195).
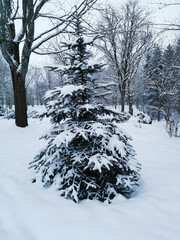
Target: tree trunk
point(19, 99)
point(130, 102)
point(122, 102)
point(40, 99)
point(159, 115)
point(137, 103)
point(4, 98)
point(159, 110)
point(168, 114)
point(122, 92)
point(179, 103)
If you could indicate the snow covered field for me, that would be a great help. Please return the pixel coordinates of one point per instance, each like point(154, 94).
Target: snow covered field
point(28, 212)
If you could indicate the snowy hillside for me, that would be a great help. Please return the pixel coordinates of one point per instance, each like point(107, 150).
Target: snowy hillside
point(28, 212)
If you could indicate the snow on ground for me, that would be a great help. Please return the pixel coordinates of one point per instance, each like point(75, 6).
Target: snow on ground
point(28, 212)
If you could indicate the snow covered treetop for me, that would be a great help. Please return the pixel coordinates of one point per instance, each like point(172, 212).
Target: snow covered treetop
point(75, 44)
point(81, 65)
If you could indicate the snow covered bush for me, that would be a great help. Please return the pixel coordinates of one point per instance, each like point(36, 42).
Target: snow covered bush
point(33, 114)
point(173, 128)
point(10, 114)
point(118, 118)
point(2, 111)
point(173, 125)
point(143, 118)
point(7, 113)
point(86, 157)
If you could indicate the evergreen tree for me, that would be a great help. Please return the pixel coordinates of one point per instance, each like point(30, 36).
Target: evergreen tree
point(86, 157)
point(170, 81)
point(161, 83)
point(177, 74)
point(155, 82)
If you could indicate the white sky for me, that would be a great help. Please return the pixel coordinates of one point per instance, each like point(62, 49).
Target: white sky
point(170, 14)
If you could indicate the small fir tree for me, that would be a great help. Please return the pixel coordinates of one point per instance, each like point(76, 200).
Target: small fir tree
point(86, 157)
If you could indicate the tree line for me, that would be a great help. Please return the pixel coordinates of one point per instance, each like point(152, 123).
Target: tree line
point(160, 93)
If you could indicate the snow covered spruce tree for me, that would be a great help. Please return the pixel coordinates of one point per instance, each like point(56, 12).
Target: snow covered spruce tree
point(86, 156)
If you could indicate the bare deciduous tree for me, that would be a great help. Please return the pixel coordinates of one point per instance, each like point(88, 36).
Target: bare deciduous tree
point(125, 37)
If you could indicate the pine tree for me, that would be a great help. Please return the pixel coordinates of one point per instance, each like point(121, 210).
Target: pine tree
point(161, 91)
point(170, 90)
point(155, 82)
point(86, 157)
point(177, 75)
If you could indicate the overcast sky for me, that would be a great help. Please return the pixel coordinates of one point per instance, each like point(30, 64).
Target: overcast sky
point(163, 14)
point(170, 14)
